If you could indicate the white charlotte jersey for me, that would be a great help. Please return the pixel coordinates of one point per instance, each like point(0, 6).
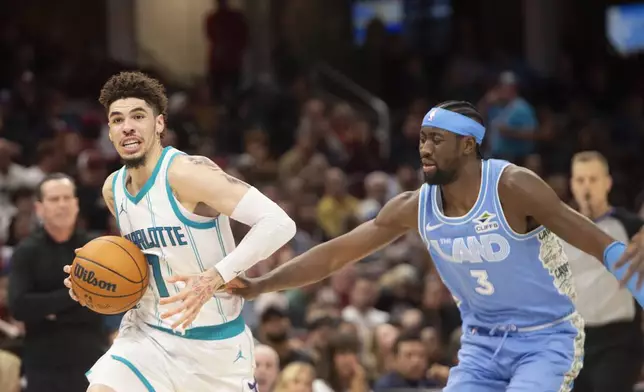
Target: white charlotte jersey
point(175, 242)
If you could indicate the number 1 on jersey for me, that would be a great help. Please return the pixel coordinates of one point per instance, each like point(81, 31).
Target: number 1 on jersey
point(485, 286)
point(153, 260)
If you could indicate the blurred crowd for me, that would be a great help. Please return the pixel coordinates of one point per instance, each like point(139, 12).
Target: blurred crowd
point(386, 319)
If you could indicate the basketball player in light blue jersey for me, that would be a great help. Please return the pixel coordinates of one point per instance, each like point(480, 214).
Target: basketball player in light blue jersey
point(492, 230)
point(185, 334)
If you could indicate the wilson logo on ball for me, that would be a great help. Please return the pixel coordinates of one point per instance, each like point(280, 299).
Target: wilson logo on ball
point(89, 277)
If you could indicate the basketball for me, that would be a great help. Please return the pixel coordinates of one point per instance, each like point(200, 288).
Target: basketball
point(109, 275)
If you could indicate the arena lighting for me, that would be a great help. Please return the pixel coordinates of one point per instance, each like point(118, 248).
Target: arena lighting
point(625, 28)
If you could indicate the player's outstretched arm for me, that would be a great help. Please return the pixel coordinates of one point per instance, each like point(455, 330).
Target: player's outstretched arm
point(397, 217)
point(536, 199)
point(197, 180)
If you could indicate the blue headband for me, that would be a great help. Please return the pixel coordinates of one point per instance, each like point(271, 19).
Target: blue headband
point(455, 123)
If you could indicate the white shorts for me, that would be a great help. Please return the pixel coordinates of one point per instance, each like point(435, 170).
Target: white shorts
point(146, 359)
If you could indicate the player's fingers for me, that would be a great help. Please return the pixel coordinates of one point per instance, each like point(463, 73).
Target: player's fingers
point(67, 269)
point(173, 312)
point(626, 256)
point(237, 283)
point(177, 278)
point(640, 280)
point(183, 320)
point(77, 250)
point(190, 318)
point(238, 291)
point(629, 274)
point(68, 283)
point(180, 296)
point(75, 297)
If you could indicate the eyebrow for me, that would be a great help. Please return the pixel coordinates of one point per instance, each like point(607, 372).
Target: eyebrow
point(137, 109)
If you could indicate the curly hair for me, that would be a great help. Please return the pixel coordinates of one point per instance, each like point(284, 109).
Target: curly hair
point(135, 85)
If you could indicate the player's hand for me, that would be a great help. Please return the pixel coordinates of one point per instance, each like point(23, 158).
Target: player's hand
point(634, 257)
point(68, 282)
point(245, 287)
point(198, 290)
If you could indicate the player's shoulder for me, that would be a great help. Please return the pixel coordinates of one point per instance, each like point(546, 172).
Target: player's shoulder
point(186, 170)
point(108, 185)
point(516, 177)
point(405, 198)
point(401, 209)
point(520, 186)
point(185, 164)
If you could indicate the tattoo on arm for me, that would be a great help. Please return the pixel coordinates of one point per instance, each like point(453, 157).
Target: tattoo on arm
point(198, 160)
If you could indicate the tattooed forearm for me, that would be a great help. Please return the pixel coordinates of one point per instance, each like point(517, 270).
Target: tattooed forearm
point(199, 160)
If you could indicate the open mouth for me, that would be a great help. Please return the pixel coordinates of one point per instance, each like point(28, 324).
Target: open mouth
point(131, 145)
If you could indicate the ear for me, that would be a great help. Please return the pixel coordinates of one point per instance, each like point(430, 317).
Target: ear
point(470, 145)
point(160, 124)
point(609, 183)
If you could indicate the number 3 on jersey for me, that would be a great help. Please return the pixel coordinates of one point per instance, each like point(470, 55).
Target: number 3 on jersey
point(485, 286)
point(153, 260)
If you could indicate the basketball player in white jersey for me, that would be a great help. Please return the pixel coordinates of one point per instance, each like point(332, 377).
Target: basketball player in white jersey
point(185, 334)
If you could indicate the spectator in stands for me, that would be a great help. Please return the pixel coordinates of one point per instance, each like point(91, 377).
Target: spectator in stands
point(267, 367)
point(11, 333)
point(49, 159)
point(275, 331)
point(411, 319)
point(295, 159)
point(361, 311)
point(227, 33)
point(320, 329)
point(381, 351)
point(12, 175)
point(9, 372)
point(54, 322)
point(613, 348)
point(512, 122)
point(376, 186)
point(363, 149)
point(410, 365)
point(92, 171)
point(296, 377)
point(439, 308)
point(337, 208)
point(11, 330)
point(346, 373)
point(22, 200)
point(404, 142)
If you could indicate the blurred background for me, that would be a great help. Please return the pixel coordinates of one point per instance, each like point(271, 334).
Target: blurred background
point(318, 104)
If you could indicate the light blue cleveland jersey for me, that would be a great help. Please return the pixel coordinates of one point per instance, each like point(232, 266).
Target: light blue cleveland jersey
point(497, 276)
point(175, 242)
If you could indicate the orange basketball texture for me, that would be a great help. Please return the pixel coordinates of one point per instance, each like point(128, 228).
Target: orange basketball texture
point(109, 275)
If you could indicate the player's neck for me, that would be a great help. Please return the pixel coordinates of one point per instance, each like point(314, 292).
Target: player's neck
point(463, 192)
point(140, 175)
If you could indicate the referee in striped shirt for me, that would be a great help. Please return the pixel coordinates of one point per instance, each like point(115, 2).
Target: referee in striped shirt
point(613, 349)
